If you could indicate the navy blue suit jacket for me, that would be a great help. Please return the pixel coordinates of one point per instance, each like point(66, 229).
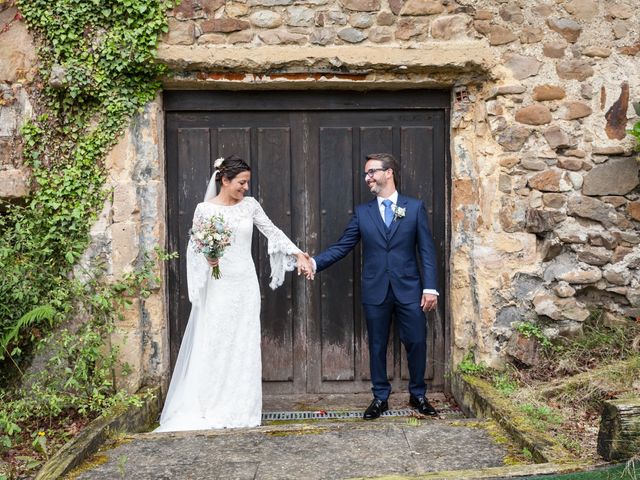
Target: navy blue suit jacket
point(389, 255)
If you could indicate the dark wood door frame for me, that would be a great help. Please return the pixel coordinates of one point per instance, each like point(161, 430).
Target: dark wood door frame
point(311, 101)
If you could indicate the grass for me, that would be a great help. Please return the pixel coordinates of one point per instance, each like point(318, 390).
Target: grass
point(628, 471)
point(563, 395)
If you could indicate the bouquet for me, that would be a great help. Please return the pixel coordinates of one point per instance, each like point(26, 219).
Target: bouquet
point(210, 237)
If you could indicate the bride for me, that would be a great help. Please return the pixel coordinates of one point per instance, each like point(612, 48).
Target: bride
point(216, 382)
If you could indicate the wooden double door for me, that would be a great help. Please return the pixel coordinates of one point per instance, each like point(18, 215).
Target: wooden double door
point(307, 151)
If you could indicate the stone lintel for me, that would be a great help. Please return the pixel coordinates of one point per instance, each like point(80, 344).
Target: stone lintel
point(443, 62)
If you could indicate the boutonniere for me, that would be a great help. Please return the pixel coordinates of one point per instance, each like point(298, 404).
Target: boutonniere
point(398, 212)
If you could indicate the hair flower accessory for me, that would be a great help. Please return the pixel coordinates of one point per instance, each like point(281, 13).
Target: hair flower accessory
point(218, 162)
point(398, 212)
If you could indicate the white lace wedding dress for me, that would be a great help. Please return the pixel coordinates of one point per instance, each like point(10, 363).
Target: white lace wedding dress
point(217, 380)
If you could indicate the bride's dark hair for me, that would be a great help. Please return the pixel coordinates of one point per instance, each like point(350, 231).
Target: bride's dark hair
point(231, 167)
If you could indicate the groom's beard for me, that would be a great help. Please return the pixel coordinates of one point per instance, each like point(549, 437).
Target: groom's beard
point(374, 187)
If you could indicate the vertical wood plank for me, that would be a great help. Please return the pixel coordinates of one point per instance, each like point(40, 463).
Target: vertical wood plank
point(337, 283)
point(193, 170)
point(273, 165)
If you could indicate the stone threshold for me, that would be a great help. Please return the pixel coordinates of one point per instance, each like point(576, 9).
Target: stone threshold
point(478, 398)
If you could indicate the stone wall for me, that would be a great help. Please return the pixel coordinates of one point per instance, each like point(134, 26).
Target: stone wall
point(545, 200)
point(133, 219)
point(17, 70)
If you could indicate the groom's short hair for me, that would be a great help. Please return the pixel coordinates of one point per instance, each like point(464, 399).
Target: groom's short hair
point(388, 161)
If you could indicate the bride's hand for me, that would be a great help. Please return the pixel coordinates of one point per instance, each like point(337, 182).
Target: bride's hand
point(304, 265)
point(213, 262)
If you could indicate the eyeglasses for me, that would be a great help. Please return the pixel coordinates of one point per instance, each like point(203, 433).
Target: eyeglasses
point(372, 171)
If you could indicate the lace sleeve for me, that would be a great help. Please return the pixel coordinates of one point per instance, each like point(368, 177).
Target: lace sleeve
point(198, 270)
point(281, 250)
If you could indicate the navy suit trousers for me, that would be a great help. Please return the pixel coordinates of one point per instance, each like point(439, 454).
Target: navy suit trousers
point(412, 327)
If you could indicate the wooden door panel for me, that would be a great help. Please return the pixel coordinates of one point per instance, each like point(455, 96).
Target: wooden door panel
point(273, 189)
point(233, 141)
point(192, 143)
point(337, 305)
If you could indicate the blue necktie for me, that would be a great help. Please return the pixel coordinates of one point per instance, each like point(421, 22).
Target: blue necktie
point(388, 212)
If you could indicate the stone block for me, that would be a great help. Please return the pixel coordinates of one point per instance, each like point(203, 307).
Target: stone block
point(282, 37)
point(421, 7)
point(224, 25)
point(564, 290)
point(300, 16)
point(188, 10)
point(554, 200)
point(525, 350)
point(408, 28)
point(617, 176)
point(521, 66)
point(14, 183)
point(633, 209)
point(537, 114)
point(235, 10)
point(582, 9)
point(450, 27)
point(18, 58)
point(575, 110)
point(511, 12)
point(546, 92)
point(584, 275)
point(594, 209)
point(552, 180)
point(570, 163)
point(499, 35)
point(213, 39)
point(556, 137)
point(513, 138)
point(361, 20)
point(352, 35)
point(574, 70)
point(265, 19)
point(597, 256)
point(380, 34)
point(124, 247)
point(385, 19)
point(125, 202)
point(568, 28)
point(180, 33)
point(554, 50)
point(617, 273)
point(513, 215)
point(362, 5)
point(245, 36)
point(531, 35)
point(324, 36)
point(560, 308)
point(269, 3)
point(622, 11)
point(596, 51)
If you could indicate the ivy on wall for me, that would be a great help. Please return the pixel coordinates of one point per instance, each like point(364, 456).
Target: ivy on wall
point(97, 69)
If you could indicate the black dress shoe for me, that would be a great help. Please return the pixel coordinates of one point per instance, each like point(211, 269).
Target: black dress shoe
point(376, 409)
point(422, 405)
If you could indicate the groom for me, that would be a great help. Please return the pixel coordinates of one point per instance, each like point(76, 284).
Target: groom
point(392, 227)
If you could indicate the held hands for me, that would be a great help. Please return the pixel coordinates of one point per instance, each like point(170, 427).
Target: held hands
point(305, 266)
point(428, 302)
point(212, 261)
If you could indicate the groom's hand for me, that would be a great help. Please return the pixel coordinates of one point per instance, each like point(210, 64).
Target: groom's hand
point(304, 265)
point(429, 302)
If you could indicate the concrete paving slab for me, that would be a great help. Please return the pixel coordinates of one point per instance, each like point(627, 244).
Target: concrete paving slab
point(314, 450)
